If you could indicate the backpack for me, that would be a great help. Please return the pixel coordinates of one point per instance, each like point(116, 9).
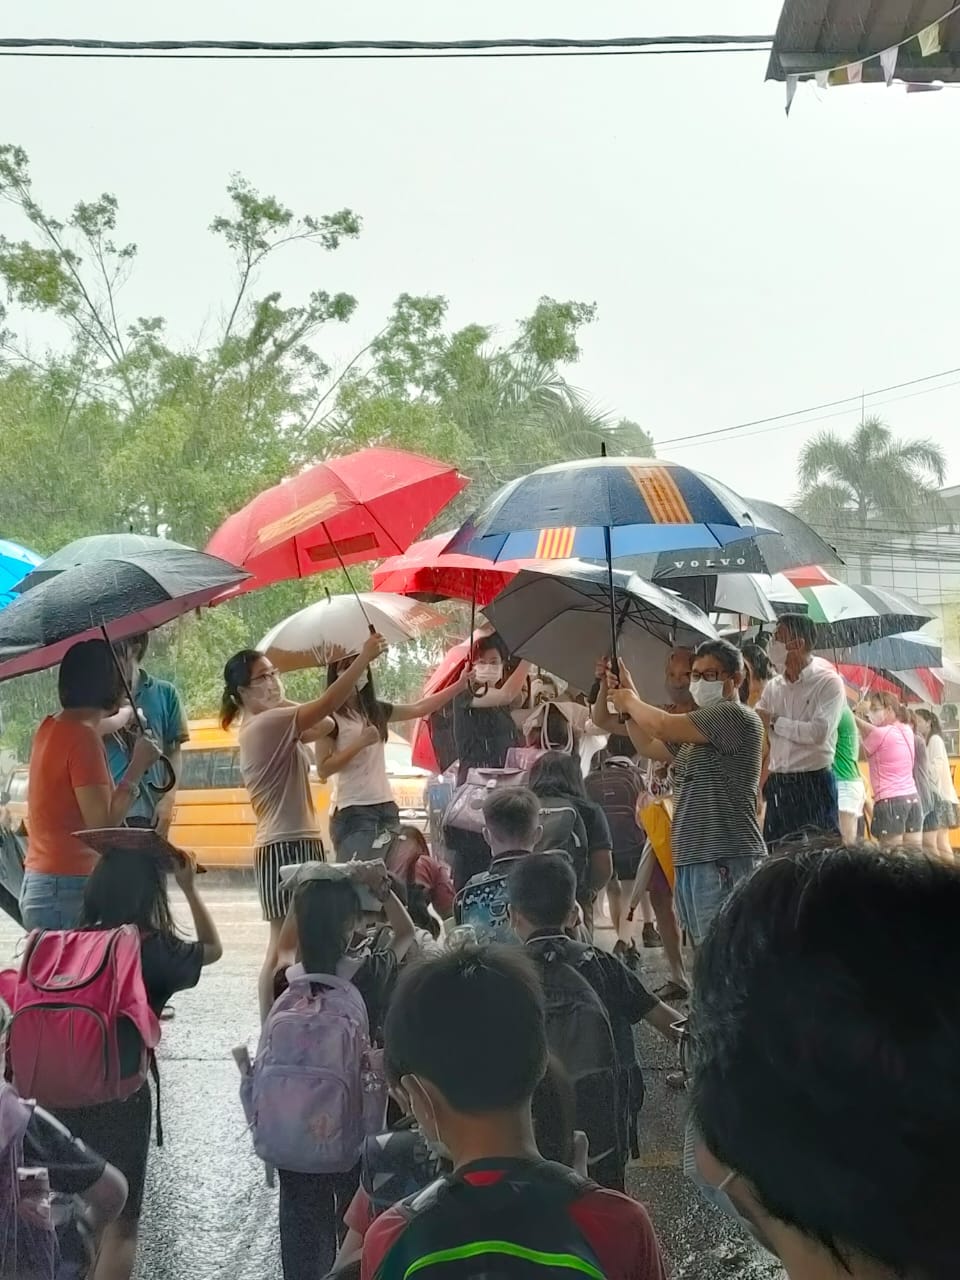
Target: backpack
point(482, 903)
point(580, 1037)
point(75, 991)
point(564, 832)
point(396, 1164)
point(27, 1248)
point(465, 810)
point(517, 1228)
point(617, 788)
point(314, 1092)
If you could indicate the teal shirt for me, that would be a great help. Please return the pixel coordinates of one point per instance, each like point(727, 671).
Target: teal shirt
point(847, 755)
point(166, 718)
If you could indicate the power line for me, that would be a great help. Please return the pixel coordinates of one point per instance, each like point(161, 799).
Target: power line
point(828, 404)
point(376, 57)
point(328, 46)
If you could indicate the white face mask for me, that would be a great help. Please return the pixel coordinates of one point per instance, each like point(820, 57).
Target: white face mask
point(777, 653)
point(488, 673)
point(703, 692)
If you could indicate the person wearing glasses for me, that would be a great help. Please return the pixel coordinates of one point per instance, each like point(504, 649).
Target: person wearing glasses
point(717, 751)
point(275, 763)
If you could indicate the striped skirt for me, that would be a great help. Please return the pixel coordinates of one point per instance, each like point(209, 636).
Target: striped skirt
point(267, 861)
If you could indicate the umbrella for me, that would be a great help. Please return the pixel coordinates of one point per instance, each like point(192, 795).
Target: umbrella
point(15, 563)
point(364, 506)
point(894, 653)
point(90, 550)
point(848, 614)
point(446, 673)
point(112, 599)
point(428, 572)
point(748, 595)
point(558, 618)
point(605, 509)
point(336, 628)
point(786, 542)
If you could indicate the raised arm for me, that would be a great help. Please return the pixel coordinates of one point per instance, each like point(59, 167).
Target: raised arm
point(433, 702)
point(105, 805)
point(310, 714)
point(336, 760)
point(206, 930)
point(508, 692)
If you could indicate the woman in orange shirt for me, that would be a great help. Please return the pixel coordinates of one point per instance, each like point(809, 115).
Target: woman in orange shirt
point(70, 788)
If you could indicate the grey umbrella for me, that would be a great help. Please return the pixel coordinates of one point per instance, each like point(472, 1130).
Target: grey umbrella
point(92, 549)
point(559, 618)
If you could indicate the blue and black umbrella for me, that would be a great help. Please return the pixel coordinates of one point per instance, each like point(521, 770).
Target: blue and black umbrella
point(607, 509)
point(15, 563)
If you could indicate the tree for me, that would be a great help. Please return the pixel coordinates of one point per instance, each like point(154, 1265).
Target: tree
point(874, 477)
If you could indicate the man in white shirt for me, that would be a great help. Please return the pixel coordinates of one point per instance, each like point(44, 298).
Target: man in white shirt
point(800, 710)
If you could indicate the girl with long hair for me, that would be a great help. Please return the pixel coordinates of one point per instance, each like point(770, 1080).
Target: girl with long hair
point(129, 887)
point(929, 728)
point(275, 764)
point(363, 809)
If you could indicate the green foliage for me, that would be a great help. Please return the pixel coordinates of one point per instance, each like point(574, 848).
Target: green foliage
point(118, 428)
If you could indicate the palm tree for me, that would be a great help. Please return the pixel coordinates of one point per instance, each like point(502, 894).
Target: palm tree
point(872, 476)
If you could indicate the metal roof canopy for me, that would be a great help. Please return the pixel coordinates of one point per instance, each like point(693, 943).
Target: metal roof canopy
point(818, 35)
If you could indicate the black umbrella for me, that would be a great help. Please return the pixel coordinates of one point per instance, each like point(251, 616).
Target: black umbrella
point(110, 599)
point(93, 549)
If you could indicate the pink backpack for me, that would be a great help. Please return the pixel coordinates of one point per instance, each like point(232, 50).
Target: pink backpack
point(74, 990)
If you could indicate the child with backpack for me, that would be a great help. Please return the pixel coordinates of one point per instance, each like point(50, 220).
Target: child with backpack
point(593, 1002)
point(511, 827)
point(616, 784)
point(315, 1092)
point(428, 880)
point(466, 1038)
point(84, 1048)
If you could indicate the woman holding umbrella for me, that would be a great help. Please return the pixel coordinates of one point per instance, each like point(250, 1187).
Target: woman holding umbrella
point(71, 788)
point(275, 763)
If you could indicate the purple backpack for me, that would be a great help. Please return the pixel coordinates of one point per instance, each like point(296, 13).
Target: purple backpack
point(28, 1245)
point(315, 1091)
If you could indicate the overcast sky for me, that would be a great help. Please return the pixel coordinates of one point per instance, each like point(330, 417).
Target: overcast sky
point(743, 264)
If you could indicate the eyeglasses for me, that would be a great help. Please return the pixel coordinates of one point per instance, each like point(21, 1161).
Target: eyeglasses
point(711, 677)
point(272, 674)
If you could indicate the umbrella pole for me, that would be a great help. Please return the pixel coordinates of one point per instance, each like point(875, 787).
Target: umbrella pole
point(346, 573)
point(473, 614)
point(170, 778)
point(614, 663)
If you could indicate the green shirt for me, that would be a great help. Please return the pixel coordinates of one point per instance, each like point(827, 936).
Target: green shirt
point(847, 755)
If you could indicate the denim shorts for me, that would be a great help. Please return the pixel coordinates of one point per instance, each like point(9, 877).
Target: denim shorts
point(355, 829)
point(51, 902)
point(701, 888)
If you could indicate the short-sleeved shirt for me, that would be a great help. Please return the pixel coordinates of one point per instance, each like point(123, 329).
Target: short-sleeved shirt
point(167, 722)
point(616, 1228)
point(362, 780)
point(595, 824)
point(276, 772)
point(169, 965)
point(66, 755)
point(891, 751)
point(72, 1167)
point(845, 766)
point(715, 811)
point(483, 735)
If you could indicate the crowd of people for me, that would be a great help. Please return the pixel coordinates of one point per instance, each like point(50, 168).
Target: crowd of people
point(447, 1074)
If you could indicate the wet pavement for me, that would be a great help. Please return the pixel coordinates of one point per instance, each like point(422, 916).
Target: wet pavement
point(208, 1213)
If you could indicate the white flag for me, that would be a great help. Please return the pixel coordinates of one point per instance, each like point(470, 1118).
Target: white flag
point(854, 72)
point(929, 39)
point(888, 60)
point(791, 90)
point(823, 79)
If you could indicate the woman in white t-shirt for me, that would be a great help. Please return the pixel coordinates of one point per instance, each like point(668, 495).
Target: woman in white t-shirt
point(275, 764)
point(937, 839)
point(362, 808)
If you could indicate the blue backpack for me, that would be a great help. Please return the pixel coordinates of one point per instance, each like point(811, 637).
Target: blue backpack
point(482, 903)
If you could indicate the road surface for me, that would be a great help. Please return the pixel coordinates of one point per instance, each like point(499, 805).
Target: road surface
point(208, 1212)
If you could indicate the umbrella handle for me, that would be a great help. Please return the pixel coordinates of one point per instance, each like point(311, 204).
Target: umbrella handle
point(169, 778)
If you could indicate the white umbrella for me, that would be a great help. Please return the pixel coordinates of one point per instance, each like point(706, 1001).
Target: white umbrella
point(336, 628)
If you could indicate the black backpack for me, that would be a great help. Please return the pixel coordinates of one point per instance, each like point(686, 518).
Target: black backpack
point(518, 1228)
point(564, 832)
point(581, 1038)
point(617, 788)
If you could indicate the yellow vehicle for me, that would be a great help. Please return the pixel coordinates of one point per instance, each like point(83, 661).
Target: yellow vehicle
point(955, 769)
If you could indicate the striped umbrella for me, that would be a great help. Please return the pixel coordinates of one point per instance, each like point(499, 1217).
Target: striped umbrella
point(849, 614)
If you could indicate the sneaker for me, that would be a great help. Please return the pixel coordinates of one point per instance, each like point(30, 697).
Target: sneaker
point(651, 938)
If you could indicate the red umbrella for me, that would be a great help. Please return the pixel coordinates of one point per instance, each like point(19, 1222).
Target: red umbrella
point(369, 504)
point(425, 571)
point(865, 680)
point(811, 576)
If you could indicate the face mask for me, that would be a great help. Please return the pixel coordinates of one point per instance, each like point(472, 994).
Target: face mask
point(488, 672)
point(877, 717)
point(434, 1142)
point(703, 692)
point(777, 653)
point(717, 1196)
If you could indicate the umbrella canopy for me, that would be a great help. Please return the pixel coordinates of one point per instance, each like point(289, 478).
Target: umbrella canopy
point(786, 542)
point(337, 627)
point(895, 653)
point(118, 598)
point(428, 572)
point(848, 614)
point(16, 562)
point(862, 681)
point(746, 595)
point(559, 618)
point(90, 550)
point(600, 507)
point(364, 506)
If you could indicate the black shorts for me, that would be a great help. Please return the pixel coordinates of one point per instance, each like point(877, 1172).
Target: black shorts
point(902, 815)
point(942, 817)
point(626, 862)
point(119, 1132)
